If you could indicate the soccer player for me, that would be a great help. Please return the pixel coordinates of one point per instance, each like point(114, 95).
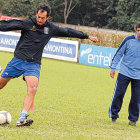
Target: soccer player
point(35, 33)
point(129, 52)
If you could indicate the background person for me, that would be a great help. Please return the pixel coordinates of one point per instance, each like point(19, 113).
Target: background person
point(35, 34)
point(129, 52)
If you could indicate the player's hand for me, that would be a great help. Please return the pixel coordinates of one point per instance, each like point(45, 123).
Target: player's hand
point(94, 39)
point(112, 74)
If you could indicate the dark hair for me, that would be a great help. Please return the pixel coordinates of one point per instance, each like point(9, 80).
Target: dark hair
point(44, 7)
point(137, 25)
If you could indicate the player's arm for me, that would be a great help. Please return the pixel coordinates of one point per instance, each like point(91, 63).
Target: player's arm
point(9, 25)
point(117, 57)
point(68, 32)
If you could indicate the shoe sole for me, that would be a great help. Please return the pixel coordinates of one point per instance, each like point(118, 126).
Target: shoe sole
point(27, 123)
point(132, 125)
point(114, 122)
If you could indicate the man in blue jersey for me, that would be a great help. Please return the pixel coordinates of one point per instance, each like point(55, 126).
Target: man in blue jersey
point(129, 52)
point(35, 34)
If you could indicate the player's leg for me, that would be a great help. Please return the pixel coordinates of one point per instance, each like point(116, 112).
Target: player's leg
point(31, 76)
point(134, 102)
point(32, 84)
point(3, 81)
point(139, 106)
point(117, 100)
point(12, 70)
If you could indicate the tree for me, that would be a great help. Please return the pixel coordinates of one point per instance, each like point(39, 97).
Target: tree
point(91, 13)
point(20, 8)
point(57, 7)
point(101, 16)
point(69, 6)
point(63, 7)
point(123, 14)
point(84, 13)
point(114, 14)
point(110, 12)
point(127, 14)
point(2, 3)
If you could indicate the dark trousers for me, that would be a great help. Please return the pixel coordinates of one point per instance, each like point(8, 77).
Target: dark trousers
point(119, 92)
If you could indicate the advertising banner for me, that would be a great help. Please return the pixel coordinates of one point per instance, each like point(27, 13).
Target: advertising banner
point(61, 49)
point(96, 55)
point(2, 17)
point(56, 48)
point(8, 41)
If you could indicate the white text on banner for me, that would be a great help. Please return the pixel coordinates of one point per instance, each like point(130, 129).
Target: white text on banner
point(96, 55)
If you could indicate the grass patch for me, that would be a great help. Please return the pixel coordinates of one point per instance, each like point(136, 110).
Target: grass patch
point(71, 103)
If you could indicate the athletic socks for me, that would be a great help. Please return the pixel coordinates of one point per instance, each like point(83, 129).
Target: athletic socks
point(23, 114)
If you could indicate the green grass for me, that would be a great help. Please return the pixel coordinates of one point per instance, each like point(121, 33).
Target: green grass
point(71, 103)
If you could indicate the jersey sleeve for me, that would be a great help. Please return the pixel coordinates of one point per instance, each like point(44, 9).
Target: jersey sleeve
point(14, 24)
point(68, 32)
point(117, 57)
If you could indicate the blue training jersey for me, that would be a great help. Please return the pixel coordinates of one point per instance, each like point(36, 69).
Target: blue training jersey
point(129, 55)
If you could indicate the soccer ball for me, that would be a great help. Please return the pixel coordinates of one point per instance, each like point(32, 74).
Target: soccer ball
point(5, 117)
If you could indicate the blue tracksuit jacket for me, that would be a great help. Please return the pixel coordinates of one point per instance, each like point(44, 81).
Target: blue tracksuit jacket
point(129, 55)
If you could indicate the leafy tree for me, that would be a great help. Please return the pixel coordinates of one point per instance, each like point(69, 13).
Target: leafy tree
point(20, 8)
point(113, 14)
point(91, 13)
point(68, 8)
point(84, 13)
point(127, 14)
point(100, 15)
point(124, 15)
point(2, 3)
point(62, 9)
point(57, 10)
point(110, 15)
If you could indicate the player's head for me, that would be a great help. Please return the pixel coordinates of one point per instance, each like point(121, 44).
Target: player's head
point(137, 29)
point(43, 12)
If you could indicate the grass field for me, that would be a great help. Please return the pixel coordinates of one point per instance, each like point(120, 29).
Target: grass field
point(71, 103)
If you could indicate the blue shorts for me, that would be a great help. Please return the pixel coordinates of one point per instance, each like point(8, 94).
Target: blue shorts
point(16, 67)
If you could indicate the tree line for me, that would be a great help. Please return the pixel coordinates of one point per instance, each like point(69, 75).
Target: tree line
point(111, 14)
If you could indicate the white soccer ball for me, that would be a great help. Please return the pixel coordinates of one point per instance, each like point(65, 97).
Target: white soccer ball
point(5, 117)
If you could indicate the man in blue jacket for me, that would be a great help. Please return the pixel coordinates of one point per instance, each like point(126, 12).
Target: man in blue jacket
point(129, 52)
point(35, 34)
